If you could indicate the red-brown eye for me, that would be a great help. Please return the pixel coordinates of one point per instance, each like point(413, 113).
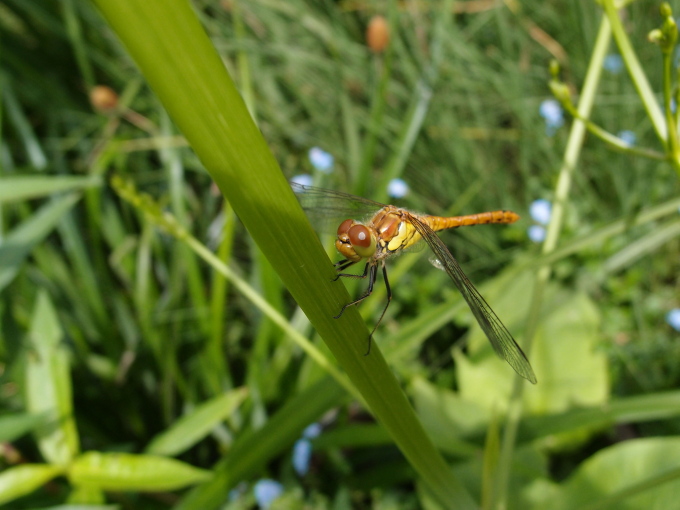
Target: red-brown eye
point(359, 236)
point(344, 226)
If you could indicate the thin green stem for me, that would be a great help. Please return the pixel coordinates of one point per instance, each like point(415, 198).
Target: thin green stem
point(637, 73)
point(566, 172)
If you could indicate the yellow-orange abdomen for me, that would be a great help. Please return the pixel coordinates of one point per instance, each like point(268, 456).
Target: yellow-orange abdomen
point(441, 223)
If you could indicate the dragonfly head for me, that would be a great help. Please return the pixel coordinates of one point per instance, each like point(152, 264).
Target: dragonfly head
point(355, 241)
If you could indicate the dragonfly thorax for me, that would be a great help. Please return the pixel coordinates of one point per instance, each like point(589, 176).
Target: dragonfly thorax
point(355, 241)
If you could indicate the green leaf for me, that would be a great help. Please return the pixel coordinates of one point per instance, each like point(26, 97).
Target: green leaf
point(251, 452)
point(193, 427)
point(15, 188)
point(637, 474)
point(16, 425)
point(569, 368)
point(129, 472)
point(448, 417)
point(48, 385)
point(21, 240)
point(83, 495)
point(22, 480)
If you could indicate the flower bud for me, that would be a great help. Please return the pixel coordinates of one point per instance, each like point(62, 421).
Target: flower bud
point(378, 34)
point(103, 98)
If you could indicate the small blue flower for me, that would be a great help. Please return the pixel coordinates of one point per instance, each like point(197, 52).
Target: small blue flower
point(266, 491)
point(536, 233)
point(540, 210)
point(312, 431)
point(552, 112)
point(397, 188)
point(304, 179)
point(321, 160)
point(302, 453)
point(613, 63)
point(627, 137)
point(673, 319)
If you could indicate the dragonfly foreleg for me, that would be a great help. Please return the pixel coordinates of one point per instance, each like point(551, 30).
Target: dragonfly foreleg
point(371, 281)
point(344, 264)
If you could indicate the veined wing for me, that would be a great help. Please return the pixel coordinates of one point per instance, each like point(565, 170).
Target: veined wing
point(327, 208)
point(501, 339)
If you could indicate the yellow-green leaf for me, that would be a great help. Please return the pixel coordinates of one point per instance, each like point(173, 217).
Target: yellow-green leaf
point(22, 480)
point(194, 426)
point(129, 472)
point(48, 385)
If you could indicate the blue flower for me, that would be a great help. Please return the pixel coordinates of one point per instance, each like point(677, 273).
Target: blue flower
point(552, 112)
point(627, 137)
point(613, 63)
point(536, 233)
point(397, 188)
point(540, 210)
point(266, 491)
point(673, 319)
point(302, 450)
point(321, 160)
point(304, 179)
point(312, 431)
point(302, 453)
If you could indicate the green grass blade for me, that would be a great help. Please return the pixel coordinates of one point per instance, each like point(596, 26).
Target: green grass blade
point(20, 241)
point(20, 187)
point(188, 76)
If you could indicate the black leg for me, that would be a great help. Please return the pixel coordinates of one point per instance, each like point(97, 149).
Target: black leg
point(389, 299)
point(341, 267)
point(371, 281)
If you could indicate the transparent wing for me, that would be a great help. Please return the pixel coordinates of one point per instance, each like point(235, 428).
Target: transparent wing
point(500, 338)
point(327, 208)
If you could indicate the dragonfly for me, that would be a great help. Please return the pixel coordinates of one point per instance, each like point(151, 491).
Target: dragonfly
point(387, 230)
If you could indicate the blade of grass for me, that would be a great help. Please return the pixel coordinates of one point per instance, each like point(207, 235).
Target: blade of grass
point(20, 241)
point(188, 76)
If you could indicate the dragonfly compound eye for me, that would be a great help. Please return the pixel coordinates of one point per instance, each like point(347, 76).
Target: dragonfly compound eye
point(344, 227)
point(362, 240)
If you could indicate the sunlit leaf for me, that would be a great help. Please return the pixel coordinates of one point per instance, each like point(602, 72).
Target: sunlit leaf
point(48, 385)
point(640, 474)
point(129, 472)
point(22, 480)
point(194, 426)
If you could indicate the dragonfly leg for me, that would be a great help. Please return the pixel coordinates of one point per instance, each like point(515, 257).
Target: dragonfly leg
point(342, 265)
point(389, 300)
point(371, 281)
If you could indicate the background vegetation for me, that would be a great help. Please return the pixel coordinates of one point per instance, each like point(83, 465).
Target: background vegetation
point(152, 355)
